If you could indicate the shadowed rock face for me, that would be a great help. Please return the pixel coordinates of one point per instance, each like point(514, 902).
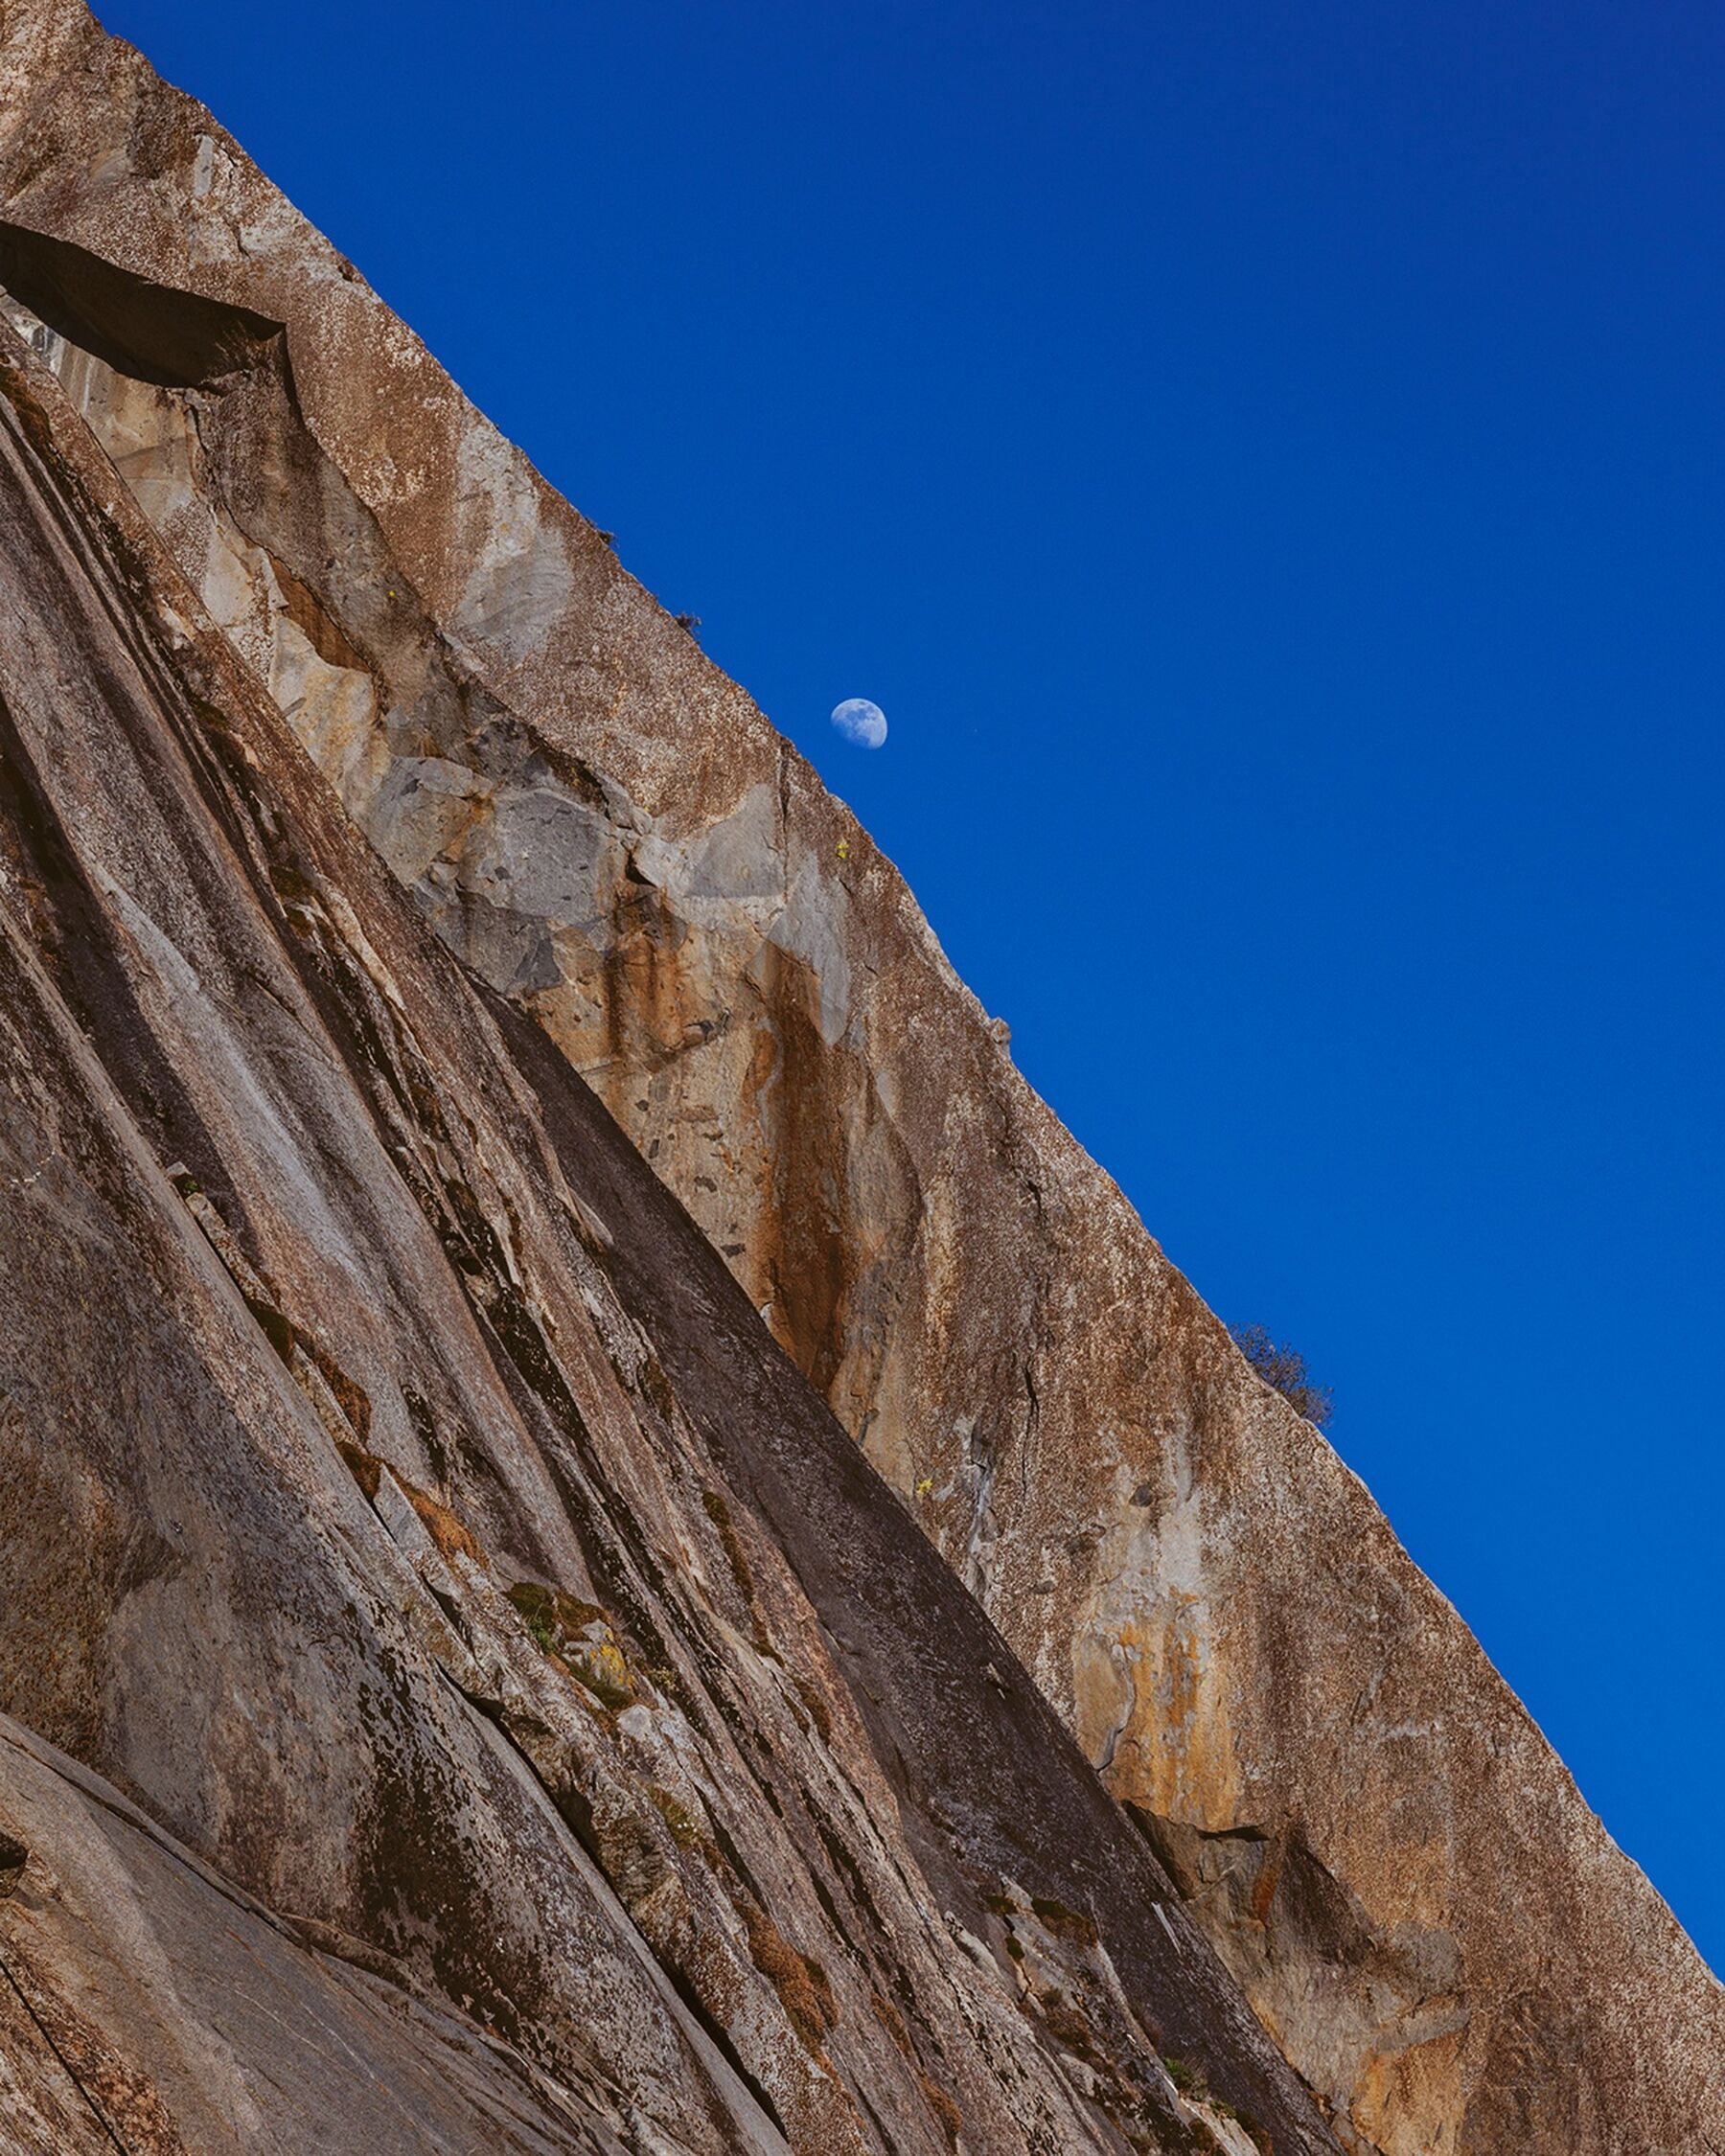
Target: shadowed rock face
point(1383, 1849)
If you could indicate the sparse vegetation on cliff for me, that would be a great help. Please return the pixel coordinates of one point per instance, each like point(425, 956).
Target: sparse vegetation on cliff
point(1285, 1367)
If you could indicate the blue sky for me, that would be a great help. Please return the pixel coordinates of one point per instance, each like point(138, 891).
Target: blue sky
point(1266, 462)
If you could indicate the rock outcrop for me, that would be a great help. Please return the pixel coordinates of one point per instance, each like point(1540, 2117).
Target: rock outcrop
point(1351, 1804)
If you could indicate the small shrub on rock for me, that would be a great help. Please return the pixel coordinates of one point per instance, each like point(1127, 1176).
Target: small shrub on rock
point(1285, 1368)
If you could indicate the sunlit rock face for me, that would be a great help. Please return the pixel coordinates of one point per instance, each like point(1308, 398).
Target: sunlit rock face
point(1384, 1850)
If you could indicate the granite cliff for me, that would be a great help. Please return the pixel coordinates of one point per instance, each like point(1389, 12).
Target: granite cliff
point(463, 1690)
point(419, 1550)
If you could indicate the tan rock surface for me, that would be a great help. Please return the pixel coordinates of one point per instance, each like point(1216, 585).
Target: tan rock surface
point(1384, 1849)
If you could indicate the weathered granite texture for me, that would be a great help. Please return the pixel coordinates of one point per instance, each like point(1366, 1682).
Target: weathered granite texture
point(145, 2000)
point(1383, 1848)
point(509, 1713)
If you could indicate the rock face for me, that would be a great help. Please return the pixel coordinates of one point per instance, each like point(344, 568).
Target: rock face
point(466, 1691)
point(1368, 1829)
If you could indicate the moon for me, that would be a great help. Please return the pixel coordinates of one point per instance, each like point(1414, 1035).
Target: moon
point(864, 725)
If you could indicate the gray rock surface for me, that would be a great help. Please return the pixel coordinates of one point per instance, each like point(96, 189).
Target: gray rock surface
point(144, 1998)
